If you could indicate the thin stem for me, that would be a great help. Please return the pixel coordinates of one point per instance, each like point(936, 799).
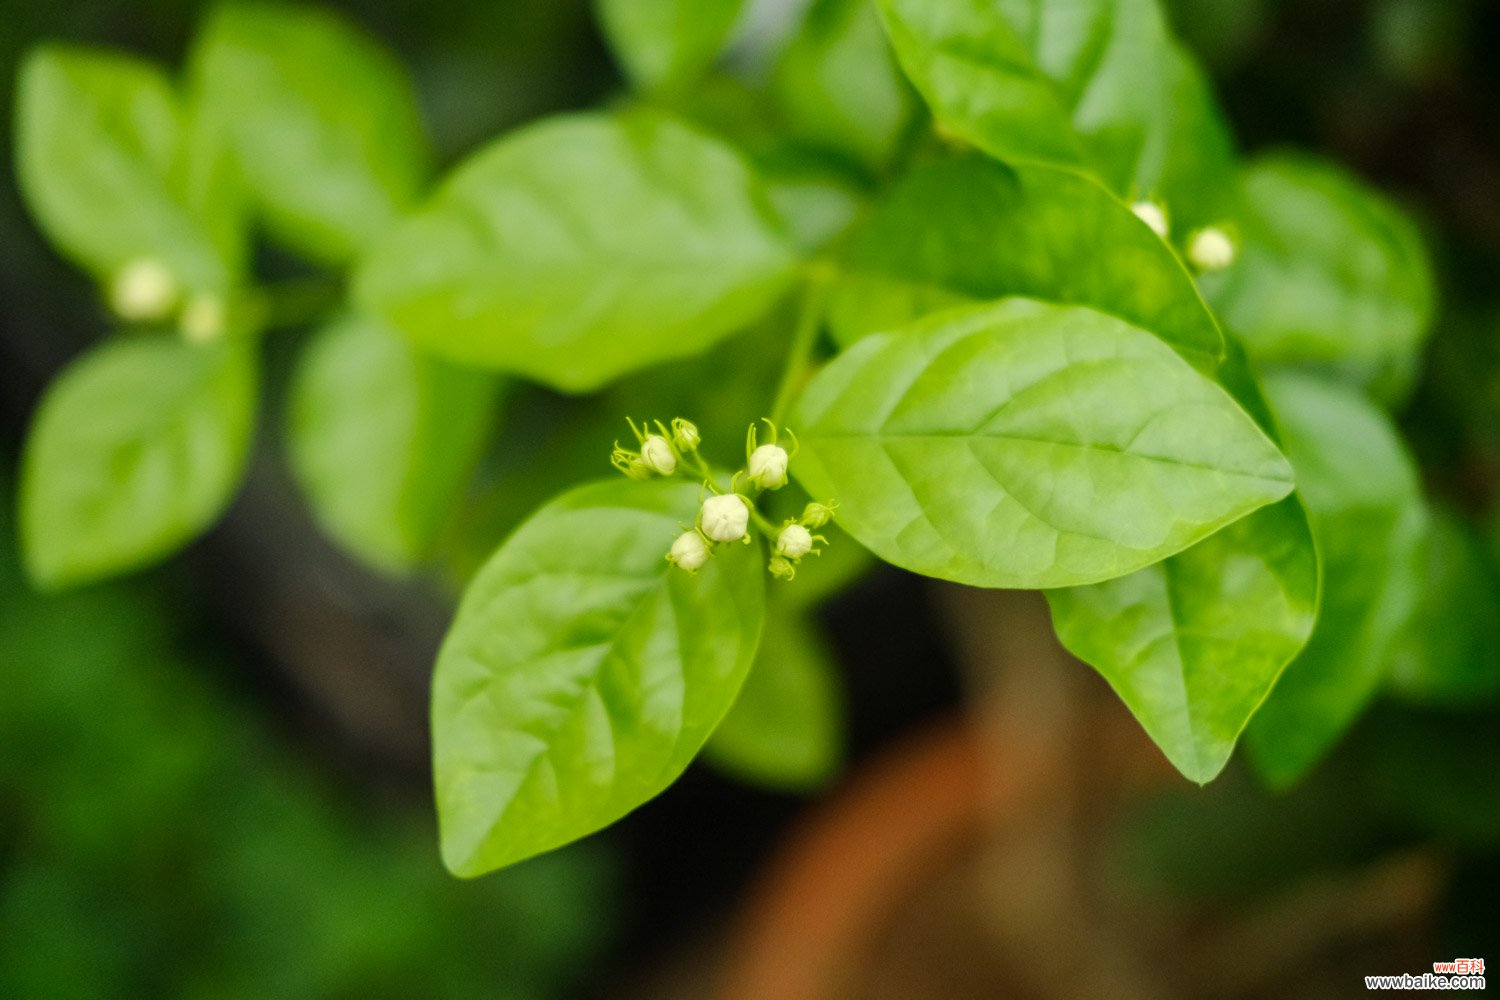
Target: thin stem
point(771, 530)
point(804, 336)
point(297, 302)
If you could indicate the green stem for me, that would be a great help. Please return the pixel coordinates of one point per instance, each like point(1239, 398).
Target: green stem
point(297, 302)
point(771, 530)
point(804, 337)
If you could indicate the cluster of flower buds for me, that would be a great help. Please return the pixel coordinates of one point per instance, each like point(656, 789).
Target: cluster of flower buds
point(659, 450)
point(795, 539)
point(726, 517)
point(1209, 249)
point(146, 291)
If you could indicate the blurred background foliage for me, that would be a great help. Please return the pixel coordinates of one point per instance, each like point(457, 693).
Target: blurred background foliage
point(213, 778)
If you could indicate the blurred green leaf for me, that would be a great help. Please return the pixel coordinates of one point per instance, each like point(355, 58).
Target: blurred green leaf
point(664, 44)
point(1450, 652)
point(583, 672)
point(383, 439)
point(1368, 519)
point(968, 229)
point(786, 727)
point(104, 159)
point(584, 247)
point(1194, 643)
point(136, 448)
point(1011, 446)
point(1098, 85)
point(1329, 273)
point(837, 83)
point(321, 118)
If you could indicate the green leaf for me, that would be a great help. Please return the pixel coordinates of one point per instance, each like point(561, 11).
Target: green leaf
point(1098, 84)
point(1365, 507)
point(136, 448)
point(322, 120)
point(101, 159)
point(1028, 445)
point(1448, 654)
point(969, 229)
point(383, 439)
point(663, 44)
point(837, 83)
point(583, 672)
point(1193, 644)
point(581, 248)
point(785, 729)
point(1329, 273)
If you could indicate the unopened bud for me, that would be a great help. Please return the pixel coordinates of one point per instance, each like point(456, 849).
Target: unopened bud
point(689, 552)
point(143, 290)
point(767, 466)
point(657, 455)
point(815, 515)
point(629, 463)
point(1153, 215)
point(202, 319)
point(725, 518)
point(685, 434)
point(1211, 249)
point(782, 568)
point(794, 542)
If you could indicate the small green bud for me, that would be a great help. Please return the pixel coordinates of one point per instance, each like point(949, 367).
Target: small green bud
point(685, 434)
point(203, 318)
point(815, 515)
point(782, 568)
point(629, 463)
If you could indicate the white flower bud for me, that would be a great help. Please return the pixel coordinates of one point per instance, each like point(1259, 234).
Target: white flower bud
point(202, 319)
point(1211, 249)
point(794, 542)
point(725, 518)
point(1152, 215)
point(658, 455)
point(689, 552)
point(685, 434)
point(767, 466)
point(143, 290)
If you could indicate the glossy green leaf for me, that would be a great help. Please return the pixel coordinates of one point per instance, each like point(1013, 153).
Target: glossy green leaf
point(1012, 445)
point(837, 83)
point(1194, 643)
point(322, 121)
point(786, 728)
point(383, 439)
point(970, 229)
point(1329, 273)
point(136, 448)
point(581, 248)
point(1097, 84)
point(1368, 520)
point(1450, 653)
point(666, 43)
point(101, 159)
point(583, 672)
